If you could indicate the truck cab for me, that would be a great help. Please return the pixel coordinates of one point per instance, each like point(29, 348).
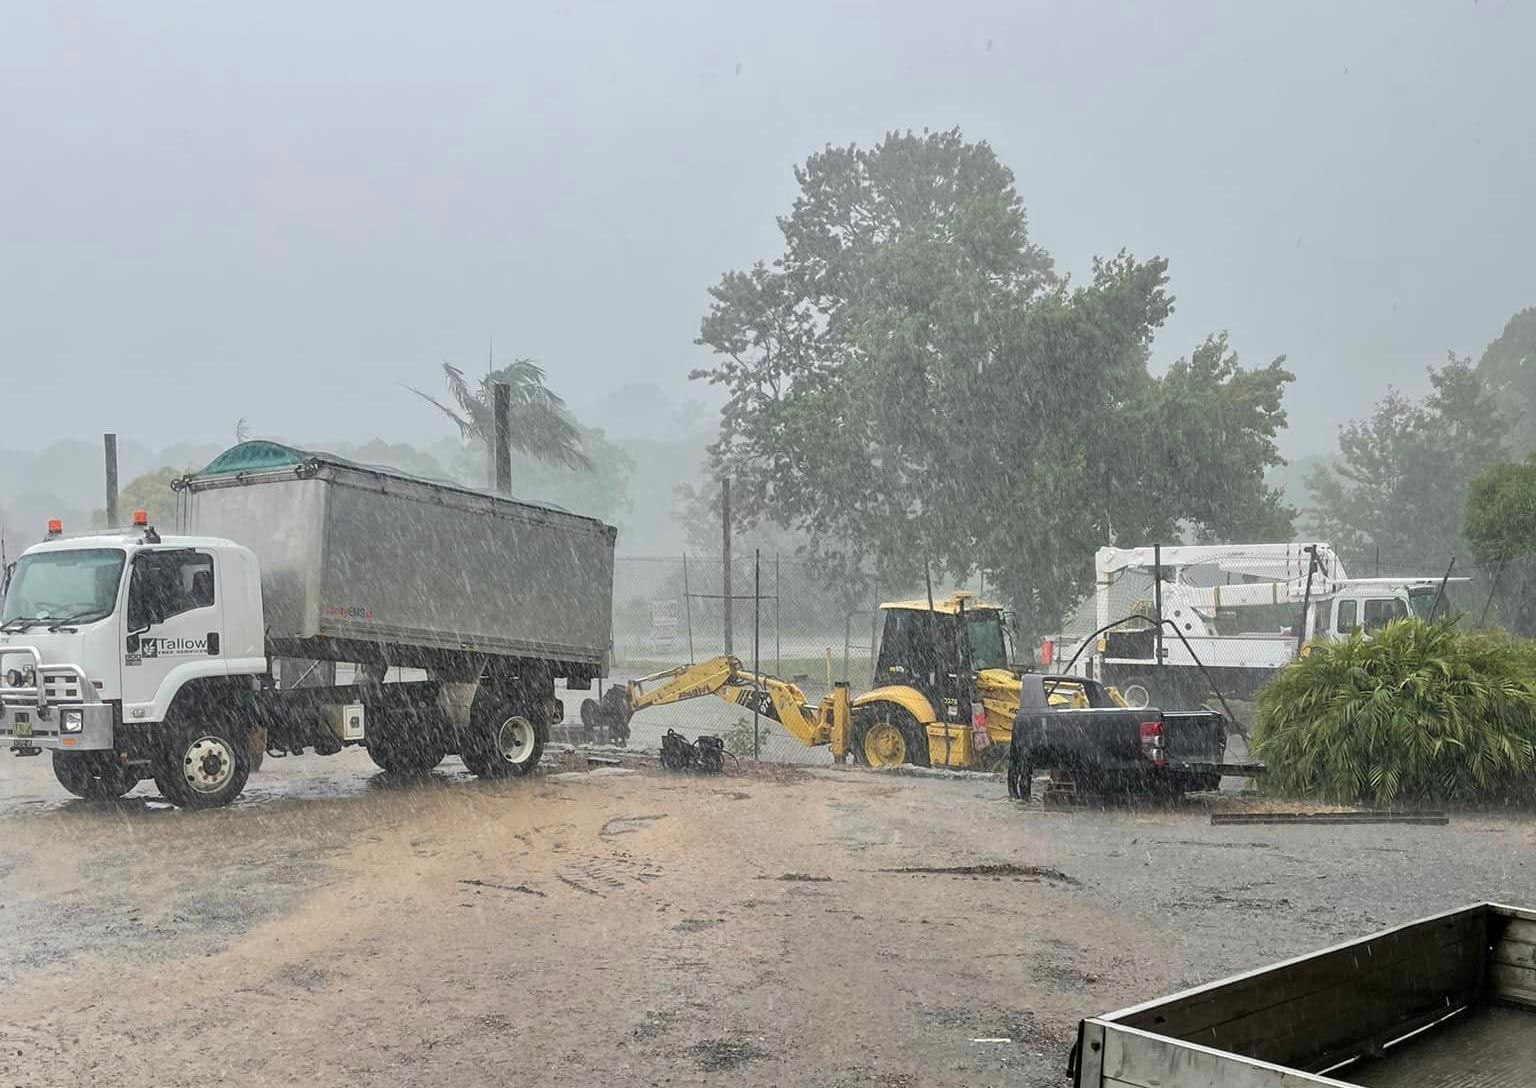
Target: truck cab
point(1369, 604)
point(99, 633)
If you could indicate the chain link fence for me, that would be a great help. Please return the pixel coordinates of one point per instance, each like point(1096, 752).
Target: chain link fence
point(785, 622)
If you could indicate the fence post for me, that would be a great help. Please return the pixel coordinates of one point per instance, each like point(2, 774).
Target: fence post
point(757, 665)
point(109, 449)
point(1157, 597)
point(725, 551)
point(778, 651)
point(688, 607)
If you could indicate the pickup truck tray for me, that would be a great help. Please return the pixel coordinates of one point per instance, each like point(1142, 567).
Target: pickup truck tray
point(1484, 1048)
point(1448, 1001)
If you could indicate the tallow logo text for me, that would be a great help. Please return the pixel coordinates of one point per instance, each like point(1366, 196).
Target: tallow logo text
point(172, 647)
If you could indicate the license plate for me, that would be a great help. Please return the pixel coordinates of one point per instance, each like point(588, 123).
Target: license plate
point(22, 727)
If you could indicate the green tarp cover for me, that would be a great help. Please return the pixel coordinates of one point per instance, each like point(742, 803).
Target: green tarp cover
point(258, 455)
point(254, 456)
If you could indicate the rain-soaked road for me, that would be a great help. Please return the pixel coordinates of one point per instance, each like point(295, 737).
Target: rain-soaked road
point(339, 927)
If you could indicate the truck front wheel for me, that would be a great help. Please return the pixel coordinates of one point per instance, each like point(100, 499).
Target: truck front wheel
point(93, 776)
point(203, 766)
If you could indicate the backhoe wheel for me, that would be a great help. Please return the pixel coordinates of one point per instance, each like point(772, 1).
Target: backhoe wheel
point(92, 775)
point(504, 738)
point(203, 765)
point(885, 735)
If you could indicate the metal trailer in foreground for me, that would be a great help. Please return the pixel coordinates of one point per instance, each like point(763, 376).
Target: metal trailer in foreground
point(1444, 1002)
point(185, 658)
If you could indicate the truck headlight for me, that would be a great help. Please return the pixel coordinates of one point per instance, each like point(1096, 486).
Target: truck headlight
point(71, 721)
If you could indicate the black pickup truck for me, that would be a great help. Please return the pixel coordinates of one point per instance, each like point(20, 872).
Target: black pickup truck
point(1108, 748)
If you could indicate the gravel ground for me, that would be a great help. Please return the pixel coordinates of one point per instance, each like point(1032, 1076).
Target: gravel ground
point(784, 926)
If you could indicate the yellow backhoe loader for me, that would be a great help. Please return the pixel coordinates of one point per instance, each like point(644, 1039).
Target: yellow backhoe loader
point(945, 694)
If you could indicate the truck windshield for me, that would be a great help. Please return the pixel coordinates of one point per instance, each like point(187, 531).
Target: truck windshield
point(989, 650)
point(1423, 601)
point(67, 585)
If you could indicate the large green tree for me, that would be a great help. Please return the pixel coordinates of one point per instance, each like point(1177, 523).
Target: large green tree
point(911, 382)
point(1400, 481)
point(1501, 529)
point(1508, 366)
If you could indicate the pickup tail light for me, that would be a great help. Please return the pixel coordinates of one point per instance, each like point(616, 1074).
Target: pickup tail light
point(1152, 743)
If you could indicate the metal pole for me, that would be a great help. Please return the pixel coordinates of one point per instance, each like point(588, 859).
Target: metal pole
point(757, 665)
point(1440, 595)
point(1482, 621)
point(1306, 600)
point(1157, 599)
point(109, 446)
point(501, 400)
point(725, 552)
point(933, 676)
point(847, 638)
point(778, 654)
point(688, 606)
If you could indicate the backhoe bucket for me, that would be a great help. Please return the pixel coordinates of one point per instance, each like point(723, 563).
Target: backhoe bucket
point(611, 715)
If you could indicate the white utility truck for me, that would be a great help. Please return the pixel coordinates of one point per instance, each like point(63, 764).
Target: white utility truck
point(1206, 592)
point(130, 655)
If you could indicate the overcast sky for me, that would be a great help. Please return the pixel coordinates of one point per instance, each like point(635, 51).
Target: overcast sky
point(283, 211)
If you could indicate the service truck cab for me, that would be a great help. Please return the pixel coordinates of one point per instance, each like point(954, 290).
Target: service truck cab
point(100, 634)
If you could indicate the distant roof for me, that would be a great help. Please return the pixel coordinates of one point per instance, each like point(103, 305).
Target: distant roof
point(260, 455)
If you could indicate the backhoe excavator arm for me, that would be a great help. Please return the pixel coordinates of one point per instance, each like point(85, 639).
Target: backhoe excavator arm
point(725, 678)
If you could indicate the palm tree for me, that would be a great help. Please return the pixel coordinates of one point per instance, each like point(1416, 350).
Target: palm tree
point(538, 423)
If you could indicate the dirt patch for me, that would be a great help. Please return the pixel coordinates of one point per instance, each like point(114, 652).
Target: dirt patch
point(802, 878)
point(722, 1055)
point(1031, 872)
point(523, 888)
point(653, 1024)
point(694, 925)
point(628, 825)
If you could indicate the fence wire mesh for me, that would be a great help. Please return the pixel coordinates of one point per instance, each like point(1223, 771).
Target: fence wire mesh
point(785, 622)
point(788, 623)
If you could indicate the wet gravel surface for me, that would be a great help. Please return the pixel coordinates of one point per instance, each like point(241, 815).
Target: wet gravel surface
point(697, 930)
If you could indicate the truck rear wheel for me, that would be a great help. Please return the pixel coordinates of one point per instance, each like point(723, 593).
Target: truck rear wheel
point(93, 776)
point(503, 740)
point(203, 766)
point(405, 751)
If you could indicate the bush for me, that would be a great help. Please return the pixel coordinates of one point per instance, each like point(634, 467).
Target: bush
point(1418, 712)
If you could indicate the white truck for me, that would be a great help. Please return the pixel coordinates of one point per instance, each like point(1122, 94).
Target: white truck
point(183, 658)
point(1205, 591)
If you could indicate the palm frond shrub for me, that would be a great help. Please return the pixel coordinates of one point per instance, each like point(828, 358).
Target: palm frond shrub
point(1417, 712)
